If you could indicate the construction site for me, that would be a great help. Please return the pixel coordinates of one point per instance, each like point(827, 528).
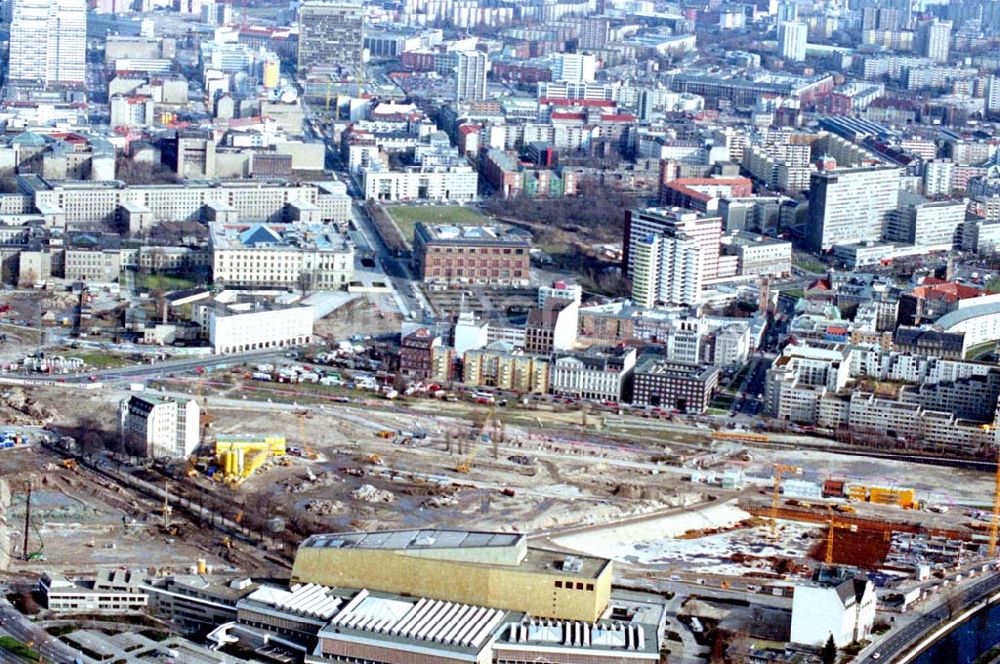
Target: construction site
point(666, 500)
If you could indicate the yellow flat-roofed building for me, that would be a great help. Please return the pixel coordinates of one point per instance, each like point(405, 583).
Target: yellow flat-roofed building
point(495, 570)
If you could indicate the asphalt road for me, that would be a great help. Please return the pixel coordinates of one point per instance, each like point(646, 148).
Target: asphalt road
point(157, 369)
point(896, 645)
point(17, 626)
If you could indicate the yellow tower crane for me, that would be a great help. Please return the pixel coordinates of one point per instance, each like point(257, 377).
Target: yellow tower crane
point(779, 468)
point(995, 523)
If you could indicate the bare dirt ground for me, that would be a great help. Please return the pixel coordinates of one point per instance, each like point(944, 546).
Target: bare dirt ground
point(550, 473)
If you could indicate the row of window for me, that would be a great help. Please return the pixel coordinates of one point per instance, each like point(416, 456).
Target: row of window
point(579, 585)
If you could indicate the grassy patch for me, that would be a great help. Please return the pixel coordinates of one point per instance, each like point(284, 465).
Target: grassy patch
point(978, 350)
point(163, 282)
point(98, 360)
point(794, 292)
point(406, 217)
point(810, 265)
point(12, 645)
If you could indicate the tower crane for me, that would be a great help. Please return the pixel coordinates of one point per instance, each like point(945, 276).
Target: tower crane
point(995, 523)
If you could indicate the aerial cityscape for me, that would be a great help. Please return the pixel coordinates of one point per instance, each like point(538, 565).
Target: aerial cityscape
point(500, 331)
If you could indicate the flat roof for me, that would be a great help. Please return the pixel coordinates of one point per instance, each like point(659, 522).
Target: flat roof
point(409, 540)
point(953, 318)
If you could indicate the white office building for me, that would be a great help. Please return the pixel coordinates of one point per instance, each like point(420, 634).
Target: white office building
point(850, 205)
point(300, 256)
point(577, 68)
point(598, 373)
point(452, 182)
point(48, 42)
point(792, 37)
point(935, 38)
point(151, 426)
point(256, 325)
point(834, 604)
point(470, 75)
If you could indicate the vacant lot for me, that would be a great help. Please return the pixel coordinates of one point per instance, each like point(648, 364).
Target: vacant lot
point(406, 217)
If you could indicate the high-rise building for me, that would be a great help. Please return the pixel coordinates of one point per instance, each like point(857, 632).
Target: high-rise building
point(787, 11)
point(470, 75)
point(993, 95)
point(574, 68)
point(592, 32)
point(792, 40)
point(850, 205)
point(935, 39)
point(670, 253)
point(48, 42)
point(331, 35)
point(666, 269)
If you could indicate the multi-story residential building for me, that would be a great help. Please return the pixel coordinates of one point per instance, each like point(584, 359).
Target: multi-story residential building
point(665, 270)
point(676, 386)
point(938, 177)
point(801, 376)
point(500, 366)
point(331, 35)
point(779, 167)
point(416, 353)
point(301, 256)
point(792, 37)
point(152, 426)
point(48, 43)
point(470, 75)
point(132, 111)
point(968, 398)
point(472, 254)
point(850, 205)
point(669, 254)
point(255, 325)
point(599, 373)
point(552, 327)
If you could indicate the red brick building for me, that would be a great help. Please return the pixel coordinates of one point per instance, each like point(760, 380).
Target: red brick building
point(486, 255)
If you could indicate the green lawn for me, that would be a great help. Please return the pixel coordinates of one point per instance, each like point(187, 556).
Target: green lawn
point(97, 359)
point(14, 646)
point(794, 292)
point(810, 265)
point(406, 217)
point(162, 282)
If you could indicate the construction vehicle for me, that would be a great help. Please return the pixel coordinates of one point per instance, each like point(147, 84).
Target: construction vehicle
point(465, 465)
point(385, 433)
point(741, 435)
point(374, 459)
point(69, 464)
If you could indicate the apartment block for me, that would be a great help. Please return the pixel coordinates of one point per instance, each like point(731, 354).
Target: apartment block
point(151, 426)
point(500, 366)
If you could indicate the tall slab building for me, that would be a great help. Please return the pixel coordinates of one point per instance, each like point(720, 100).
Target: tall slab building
point(48, 43)
point(331, 36)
